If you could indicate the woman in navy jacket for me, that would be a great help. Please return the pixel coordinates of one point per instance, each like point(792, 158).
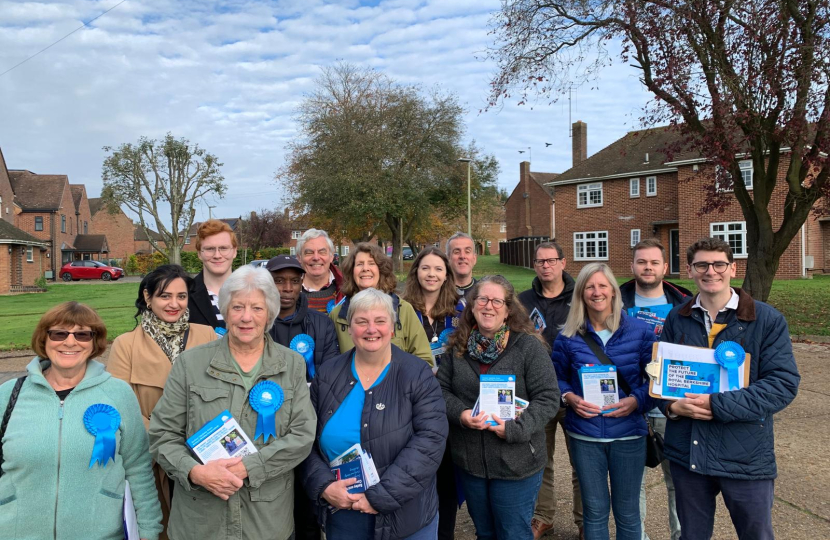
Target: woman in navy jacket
point(610, 440)
point(389, 402)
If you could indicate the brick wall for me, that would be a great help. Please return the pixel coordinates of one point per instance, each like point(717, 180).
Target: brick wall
point(825, 237)
point(537, 205)
point(815, 245)
point(119, 231)
point(5, 269)
point(6, 195)
point(83, 214)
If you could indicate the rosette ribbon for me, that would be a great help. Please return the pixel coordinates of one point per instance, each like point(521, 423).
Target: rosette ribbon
point(266, 399)
point(330, 306)
point(304, 344)
point(730, 356)
point(102, 421)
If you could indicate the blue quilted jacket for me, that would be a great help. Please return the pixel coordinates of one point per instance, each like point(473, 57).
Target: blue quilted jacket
point(738, 441)
point(630, 350)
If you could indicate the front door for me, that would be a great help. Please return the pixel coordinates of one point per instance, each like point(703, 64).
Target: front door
point(674, 251)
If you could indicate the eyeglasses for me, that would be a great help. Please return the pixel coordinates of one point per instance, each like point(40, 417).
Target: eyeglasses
point(482, 301)
point(82, 336)
point(703, 267)
point(550, 262)
point(223, 250)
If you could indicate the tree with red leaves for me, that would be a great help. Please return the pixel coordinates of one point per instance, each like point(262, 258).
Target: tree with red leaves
point(266, 229)
point(738, 80)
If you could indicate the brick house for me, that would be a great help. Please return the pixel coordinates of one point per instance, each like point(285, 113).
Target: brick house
point(124, 238)
point(529, 210)
point(141, 242)
point(630, 191)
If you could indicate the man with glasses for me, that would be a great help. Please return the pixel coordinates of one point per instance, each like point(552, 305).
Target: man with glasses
point(548, 302)
point(216, 247)
point(650, 298)
point(461, 250)
point(723, 443)
point(322, 280)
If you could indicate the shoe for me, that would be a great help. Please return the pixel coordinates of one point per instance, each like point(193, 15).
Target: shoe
point(539, 528)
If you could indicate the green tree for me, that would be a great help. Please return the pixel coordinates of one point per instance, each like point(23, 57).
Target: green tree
point(161, 180)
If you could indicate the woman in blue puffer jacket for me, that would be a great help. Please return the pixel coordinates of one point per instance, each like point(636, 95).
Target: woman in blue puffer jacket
point(605, 440)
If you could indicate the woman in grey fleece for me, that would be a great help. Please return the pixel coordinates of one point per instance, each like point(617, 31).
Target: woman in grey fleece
point(500, 465)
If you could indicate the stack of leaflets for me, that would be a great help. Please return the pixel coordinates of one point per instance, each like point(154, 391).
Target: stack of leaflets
point(653, 316)
point(599, 385)
point(496, 397)
point(221, 438)
point(355, 463)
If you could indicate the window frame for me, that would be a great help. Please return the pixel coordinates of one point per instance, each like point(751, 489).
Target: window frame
point(632, 194)
point(649, 192)
point(295, 235)
point(725, 234)
point(503, 228)
point(588, 189)
point(38, 220)
point(639, 235)
point(187, 240)
point(30, 254)
point(63, 223)
point(580, 245)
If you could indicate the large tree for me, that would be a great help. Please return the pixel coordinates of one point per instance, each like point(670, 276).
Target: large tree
point(162, 181)
point(265, 229)
point(738, 80)
point(371, 153)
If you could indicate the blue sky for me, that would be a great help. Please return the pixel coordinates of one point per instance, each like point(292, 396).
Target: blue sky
point(229, 76)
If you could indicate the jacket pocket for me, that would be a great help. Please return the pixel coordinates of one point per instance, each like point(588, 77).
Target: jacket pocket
point(197, 513)
point(107, 508)
point(285, 412)
point(271, 490)
point(205, 404)
point(8, 508)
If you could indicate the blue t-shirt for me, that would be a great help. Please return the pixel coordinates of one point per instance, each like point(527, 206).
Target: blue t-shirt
point(605, 335)
point(645, 301)
point(343, 429)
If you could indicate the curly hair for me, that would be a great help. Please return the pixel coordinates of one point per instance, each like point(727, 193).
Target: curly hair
point(447, 300)
point(387, 281)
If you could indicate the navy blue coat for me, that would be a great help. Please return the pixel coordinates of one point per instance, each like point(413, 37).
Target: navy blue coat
point(630, 350)
point(406, 438)
point(738, 441)
point(315, 324)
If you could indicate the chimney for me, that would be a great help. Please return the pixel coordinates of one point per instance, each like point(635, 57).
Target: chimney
point(524, 179)
point(580, 142)
point(253, 215)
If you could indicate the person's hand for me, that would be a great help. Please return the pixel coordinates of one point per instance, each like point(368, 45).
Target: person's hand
point(363, 505)
point(338, 496)
point(239, 470)
point(626, 406)
point(499, 428)
point(581, 407)
point(697, 406)
point(474, 422)
point(216, 478)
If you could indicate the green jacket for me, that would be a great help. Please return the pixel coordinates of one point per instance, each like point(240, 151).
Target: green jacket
point(410, 335)
point(48, 489)
point(202, 384)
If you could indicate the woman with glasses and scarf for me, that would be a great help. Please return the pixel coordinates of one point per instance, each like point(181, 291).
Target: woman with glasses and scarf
point(143, 358)
point(500, 461)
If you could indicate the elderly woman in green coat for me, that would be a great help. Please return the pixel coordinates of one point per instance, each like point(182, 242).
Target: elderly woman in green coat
point(237, 497)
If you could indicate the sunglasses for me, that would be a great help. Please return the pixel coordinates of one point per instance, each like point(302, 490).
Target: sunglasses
point(83, 336)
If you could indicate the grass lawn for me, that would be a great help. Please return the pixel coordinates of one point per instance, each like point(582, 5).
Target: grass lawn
point(805, 303)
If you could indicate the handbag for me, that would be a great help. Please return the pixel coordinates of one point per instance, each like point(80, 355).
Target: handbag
point(8, 414)
point(654, 441)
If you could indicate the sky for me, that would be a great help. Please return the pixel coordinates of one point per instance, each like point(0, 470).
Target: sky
point(230, 75)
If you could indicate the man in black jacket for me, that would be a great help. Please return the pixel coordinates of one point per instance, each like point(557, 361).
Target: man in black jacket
point(648, 292)
point(216, 247)
point(548, 302)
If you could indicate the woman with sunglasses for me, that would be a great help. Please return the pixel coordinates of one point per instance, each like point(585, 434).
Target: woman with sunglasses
point(143, 358)
point(500, 461)
point(73, 437)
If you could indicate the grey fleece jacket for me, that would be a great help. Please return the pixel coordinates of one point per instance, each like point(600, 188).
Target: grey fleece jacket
point(522, 453)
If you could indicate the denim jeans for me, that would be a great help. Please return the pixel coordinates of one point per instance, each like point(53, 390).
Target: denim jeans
point(623, 461)
point(352, 525)
point(501, 509)
point(658, 424)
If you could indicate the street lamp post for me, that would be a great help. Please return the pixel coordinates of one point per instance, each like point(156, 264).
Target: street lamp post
point(469, 210)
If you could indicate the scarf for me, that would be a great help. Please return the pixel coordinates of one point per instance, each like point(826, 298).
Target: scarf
point(486, 350)
point(169, 336)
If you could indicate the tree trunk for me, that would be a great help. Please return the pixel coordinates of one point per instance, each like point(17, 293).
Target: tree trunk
point(174, 254)
point(396, 226)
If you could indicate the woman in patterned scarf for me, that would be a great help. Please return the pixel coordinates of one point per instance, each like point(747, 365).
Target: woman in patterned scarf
point(143, 357)
point(500, 461)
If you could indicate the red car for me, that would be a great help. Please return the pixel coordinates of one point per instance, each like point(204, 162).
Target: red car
point(76, 270)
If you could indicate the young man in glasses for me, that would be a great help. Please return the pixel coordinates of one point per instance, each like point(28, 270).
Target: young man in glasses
point(650, 298)
point(548, 302)
point(723, 442)
point(216, 247)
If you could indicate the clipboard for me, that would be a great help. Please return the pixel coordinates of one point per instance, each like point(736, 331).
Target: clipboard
point(693, 369)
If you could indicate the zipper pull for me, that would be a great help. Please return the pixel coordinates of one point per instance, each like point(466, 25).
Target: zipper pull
point(60, 412)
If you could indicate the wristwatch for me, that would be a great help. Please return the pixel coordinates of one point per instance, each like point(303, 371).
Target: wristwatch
point(565, 403)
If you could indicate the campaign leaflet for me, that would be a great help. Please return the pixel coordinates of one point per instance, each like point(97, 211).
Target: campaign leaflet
point(599, 384)
point(221, 438)
point(496, 396)
point(356, 463)
point(538, 320)
point(681, 376)
point(521, 405)
point(654, 316)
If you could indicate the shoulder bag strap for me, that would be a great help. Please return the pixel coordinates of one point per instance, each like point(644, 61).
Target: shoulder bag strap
point(8, 414)
point(602, 357)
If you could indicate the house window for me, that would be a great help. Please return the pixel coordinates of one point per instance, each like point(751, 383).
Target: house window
point(503, 227)
point(30, 254)
point(292, 250)
point(186, 240)
point(39, 223)
point(634, 187)
point(746, 172)
point(591, 246)
point(344, 250)
point(588, 195)
point(732, 232)
point(635, 237)
point(651, 186)
point(86, 228)
point(489, 243)
point(296, 234)
point(63, 223)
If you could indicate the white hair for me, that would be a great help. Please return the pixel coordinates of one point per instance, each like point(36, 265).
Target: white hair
point(369, 299)
point(311, 234)
point(247, 279)
point(456, 236)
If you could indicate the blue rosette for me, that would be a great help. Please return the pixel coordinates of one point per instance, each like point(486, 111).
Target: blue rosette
point(266, 399)
point(304, 344)
point(439, 346)
point(102, 422)
point(731, 356)
point(330, 306)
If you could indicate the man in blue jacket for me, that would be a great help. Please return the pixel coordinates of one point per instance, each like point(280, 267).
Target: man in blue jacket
point(723, 443)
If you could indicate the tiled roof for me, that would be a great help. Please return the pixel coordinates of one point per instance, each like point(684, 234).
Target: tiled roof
point(9, 234)
point(37, 191)
point(91, 242)
point(140, 236)
point(95, 205)
point(77, 194)
point(543, 178)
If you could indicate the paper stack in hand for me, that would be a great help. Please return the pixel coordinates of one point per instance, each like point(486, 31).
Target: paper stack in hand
point(356, 463)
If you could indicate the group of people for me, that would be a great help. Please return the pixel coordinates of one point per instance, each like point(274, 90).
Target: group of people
point(312, 359)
